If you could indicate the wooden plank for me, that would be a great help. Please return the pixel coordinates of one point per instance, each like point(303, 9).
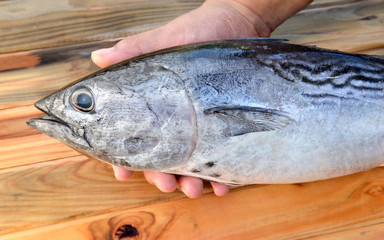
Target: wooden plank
point(22, 145)
point(66, 189)
point(12, 121)
point(374, 231)
point(351, 26)
point(353, 205)
point(48, 191)
point(30, 149)
point(73, 22)
point(28, 76)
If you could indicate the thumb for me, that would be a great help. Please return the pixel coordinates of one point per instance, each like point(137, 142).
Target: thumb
point(129, 47)
point(108, 56)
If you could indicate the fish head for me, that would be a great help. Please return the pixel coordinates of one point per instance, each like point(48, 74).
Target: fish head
point(65, 121)
point(128, 125)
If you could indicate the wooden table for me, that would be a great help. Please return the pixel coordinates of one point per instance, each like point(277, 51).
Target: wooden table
point(48, 191)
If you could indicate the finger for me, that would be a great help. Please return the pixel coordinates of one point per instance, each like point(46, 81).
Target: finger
point(219, 189)
point(129, 47)
point(108, 56)
point(191, 186)
point(163, 181)
point(121, 174)
point(103, 57)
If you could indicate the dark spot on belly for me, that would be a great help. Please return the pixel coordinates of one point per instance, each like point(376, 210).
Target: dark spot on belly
point(215, 175)
point(210, 164)
point(123, 164)
point(195, 170)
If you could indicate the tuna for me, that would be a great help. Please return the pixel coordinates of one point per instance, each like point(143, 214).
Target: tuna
point(242, 111)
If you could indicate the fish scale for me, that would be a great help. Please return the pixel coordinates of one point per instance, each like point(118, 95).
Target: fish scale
point(240, 111)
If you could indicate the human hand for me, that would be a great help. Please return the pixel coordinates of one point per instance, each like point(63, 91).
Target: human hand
point(214, 20)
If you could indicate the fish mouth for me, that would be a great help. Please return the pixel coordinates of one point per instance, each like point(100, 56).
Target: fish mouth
point(50, 118)
point(59, 129)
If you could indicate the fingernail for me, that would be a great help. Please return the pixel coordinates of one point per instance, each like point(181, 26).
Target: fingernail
point(121, 174)
point(98, 55)
point(164, 188)
point(158, 185)
point(103, 51)
point(191, 193)
point(181, 188)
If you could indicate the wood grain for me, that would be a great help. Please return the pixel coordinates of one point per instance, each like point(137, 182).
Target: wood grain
point(353, 208)
point(66, 189)
point(49, 191)
point(351, 26)
point(43, 71)
point(40, 23)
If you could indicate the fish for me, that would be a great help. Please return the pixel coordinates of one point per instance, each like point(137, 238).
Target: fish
point(238, 112)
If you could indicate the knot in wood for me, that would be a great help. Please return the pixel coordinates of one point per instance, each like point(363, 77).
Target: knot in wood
point(126, 232)
point(376, 190)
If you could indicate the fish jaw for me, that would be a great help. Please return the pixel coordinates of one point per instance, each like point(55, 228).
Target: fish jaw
point(59, 129)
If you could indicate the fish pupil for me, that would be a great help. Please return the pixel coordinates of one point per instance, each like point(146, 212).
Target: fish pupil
point(83, 100)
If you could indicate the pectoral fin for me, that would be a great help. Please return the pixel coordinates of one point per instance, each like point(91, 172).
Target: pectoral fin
point(239, 120)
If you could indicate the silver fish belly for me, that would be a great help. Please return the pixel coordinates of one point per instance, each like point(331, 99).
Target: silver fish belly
point(240, 111)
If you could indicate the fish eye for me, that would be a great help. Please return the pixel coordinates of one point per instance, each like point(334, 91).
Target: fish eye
point(82, 99)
